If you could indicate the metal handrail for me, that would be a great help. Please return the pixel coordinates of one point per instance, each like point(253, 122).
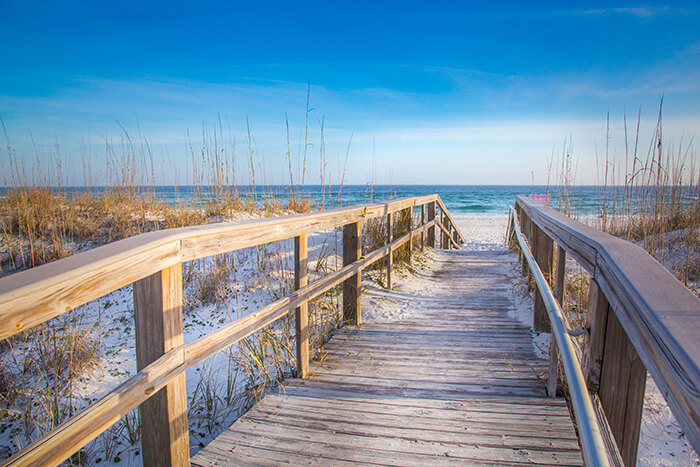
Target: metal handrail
point(592, 444)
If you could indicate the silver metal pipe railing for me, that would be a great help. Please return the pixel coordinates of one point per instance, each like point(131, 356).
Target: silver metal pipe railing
point(592, 445)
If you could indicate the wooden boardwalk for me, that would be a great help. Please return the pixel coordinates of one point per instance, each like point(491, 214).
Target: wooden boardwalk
point(457, 382)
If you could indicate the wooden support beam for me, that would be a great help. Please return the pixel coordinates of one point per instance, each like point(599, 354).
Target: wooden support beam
point(409, 212)
point(158, 323)
point(560, 271)
point(301, 313)
point(525, 229)
point(544, 251)
point(553, 370)
point(352, 250)
point(431, 230)
point(614, 370)
point(596, 323)
point(622, 384)
point(560, 275)
point(390, 256)
point(422, 222)
point(445, 237)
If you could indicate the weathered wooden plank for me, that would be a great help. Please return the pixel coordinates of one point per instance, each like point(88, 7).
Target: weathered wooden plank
point(447, 342)
point(388, 386)
point(515, 404)
point(496, 368)
point(483, 343)
point(403, 373)
point(528, 411)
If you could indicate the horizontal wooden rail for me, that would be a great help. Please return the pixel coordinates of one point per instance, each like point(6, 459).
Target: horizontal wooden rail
point(649, 308)
point(181, 244)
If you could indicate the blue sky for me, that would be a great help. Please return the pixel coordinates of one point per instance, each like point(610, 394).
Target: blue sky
point(429, 92)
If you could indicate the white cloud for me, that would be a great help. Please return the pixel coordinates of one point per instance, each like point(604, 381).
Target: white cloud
point(642, 12)
point(639, 11)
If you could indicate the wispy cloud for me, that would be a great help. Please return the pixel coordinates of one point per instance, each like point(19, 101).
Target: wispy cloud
point(640, 11)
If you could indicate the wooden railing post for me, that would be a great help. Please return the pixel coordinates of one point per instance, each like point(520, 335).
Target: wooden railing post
point(352, 250)
point(431, 229)
point(301, 313)
point(390, 256)
point(158, 323)
point(560, 271)
point(422, 223)
point(525, 229)
point(614, 370)
point(409, 211)
point(544, 251)
point(596, 323)
point(445, 238)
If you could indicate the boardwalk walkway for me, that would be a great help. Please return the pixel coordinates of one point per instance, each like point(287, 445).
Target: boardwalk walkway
point(455, 383)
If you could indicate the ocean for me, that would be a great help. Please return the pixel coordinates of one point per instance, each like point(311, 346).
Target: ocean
point(459, 199)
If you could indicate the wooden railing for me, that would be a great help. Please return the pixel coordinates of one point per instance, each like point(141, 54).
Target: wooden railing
point(152, 262)
point(639, 319)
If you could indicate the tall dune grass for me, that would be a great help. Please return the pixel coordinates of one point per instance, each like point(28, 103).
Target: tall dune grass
point(651, 198)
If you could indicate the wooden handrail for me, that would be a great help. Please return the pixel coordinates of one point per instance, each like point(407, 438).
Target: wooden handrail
point(29, 298)
point(89, 275)
point(660, 316)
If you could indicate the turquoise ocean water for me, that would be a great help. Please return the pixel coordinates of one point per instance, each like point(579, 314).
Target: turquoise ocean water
point(459, 199)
